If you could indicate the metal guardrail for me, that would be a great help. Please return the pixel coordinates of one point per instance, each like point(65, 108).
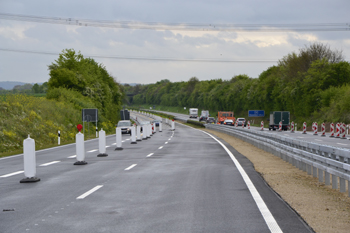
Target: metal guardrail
point(324, 162)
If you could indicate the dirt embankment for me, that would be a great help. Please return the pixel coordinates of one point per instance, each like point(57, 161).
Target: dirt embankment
point(324, 209)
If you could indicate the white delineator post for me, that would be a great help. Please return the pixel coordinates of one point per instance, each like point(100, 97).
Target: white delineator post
point(292, 126)
point(118, 138)
point(304, 128)
point(160, 126)
point(323, 128)
point(133, 135)
point(80, 149)
point(102, 144)
point(96, 132)
point(59, 137)
point(29, 161)
point(332, 130)
point(138, 134)
point(173, 125)
point(262, 126)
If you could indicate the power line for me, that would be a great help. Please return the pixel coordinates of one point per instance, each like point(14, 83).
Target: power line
point(145, 58)
point(180, 26)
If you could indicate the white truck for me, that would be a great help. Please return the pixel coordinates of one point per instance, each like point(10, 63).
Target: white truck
point(204, 115)
point(193, 112)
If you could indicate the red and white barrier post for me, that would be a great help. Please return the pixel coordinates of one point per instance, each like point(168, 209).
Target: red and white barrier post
point(332, 130)
point(292, 127)
point(315, 126)
point(323, 128)
point(337, 133)
point(243, 124)
point(304, 128)
point(262, 126)
point(248, 124)
point(343, 126)
point(280, 126)
point(236, 124)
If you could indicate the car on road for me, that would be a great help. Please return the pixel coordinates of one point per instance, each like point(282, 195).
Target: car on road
point(228, 122)
point(241, 121)
point(211, 120)
point(156, 122)
point(125, 126)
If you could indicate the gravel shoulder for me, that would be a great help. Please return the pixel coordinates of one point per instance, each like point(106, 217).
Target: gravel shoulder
point(324, 209)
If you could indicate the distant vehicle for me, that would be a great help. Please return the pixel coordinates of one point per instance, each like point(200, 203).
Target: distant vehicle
point(125, 126)
point(228, 122)
point(204, 115)
point(156, 122)
point(241, 121)
point(193, 112)
point(222, 116)
point(211, 120)
point(277, 117)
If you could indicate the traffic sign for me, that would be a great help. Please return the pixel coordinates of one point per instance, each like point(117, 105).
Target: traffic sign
point(256, 113)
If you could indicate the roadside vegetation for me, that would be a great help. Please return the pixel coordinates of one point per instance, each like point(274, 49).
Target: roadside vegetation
point(313, 84)
point(75, 83)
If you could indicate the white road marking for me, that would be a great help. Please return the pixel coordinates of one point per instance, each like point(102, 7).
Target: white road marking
point(107, 146)
point(342, 144)
point(128, 168)
point(11, 174)
point(166, 142)
point(264, 210)
point(160, 147)
point(50, 163)
point(150, 155)
point(127, 139)
point(123, 141)
point(90, 192)
point(114, 144)
point(169, 139)
point(92, 150)
point(71, 157)
point(318, 140)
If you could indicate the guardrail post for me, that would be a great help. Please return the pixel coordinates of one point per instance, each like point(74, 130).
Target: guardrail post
point(314, 171)
point(327, 177)
point(320, 175)
point(342, 185)
point(334, 182)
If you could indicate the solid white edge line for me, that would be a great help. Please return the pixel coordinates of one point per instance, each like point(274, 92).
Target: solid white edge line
point(50, 163)
point(150, 155)
point(11, 174)
point(264, 210)
point(90, 192)
point(128, 168)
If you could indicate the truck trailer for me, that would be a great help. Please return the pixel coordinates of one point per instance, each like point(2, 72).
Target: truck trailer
point(277, 117)
point(193, 112)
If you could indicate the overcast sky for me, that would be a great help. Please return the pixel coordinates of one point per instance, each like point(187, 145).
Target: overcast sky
point(166, 42)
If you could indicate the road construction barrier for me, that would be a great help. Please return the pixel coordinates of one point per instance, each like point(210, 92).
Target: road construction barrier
point(80, 149)
point(173, 125)
point(118, 138)
point(315, 127)
point(337, 133)
point(280, 126)
point(102, 144)
point(236, 124)
point(343, 126)
point(29, 161)
point(160, 126)
point(138, 133)
point(292, 127)
point(144, 132)
point(332, 130)
point(59, 137)
point(304, 128)
point(148, 132)
point(262, 126)
point(323, 129)
point(133, 135)
point(248, 124)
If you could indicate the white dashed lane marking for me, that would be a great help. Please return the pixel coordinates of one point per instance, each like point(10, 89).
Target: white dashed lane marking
point(128, 168)
point(90, 192)
point(150, 155)
point(71, 157)
point(92, 150)
point(50, 163)
point(160, 147)
point(11, 174)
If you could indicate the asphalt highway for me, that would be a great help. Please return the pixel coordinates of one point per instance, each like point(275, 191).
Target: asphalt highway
point(177, 181)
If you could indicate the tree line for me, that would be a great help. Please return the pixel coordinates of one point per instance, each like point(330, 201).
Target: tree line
point(313, 84)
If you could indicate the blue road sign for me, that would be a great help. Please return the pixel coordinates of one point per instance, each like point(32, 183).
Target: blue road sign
point(256, 113)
